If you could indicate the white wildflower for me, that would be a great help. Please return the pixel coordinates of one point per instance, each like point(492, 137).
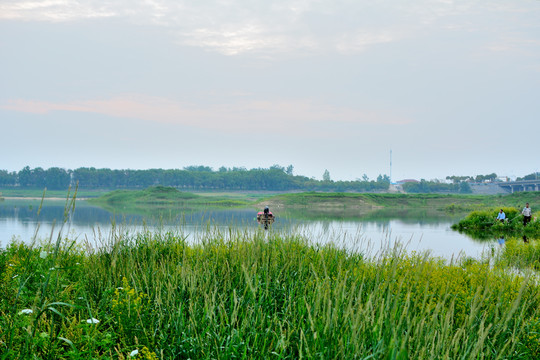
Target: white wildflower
point(43, 254)
point(133, 353)
point(92, 321)
point(26, 311)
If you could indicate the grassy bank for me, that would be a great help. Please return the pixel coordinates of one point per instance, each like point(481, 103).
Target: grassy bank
point(317, 202)
point(166, 197)
point(256, 296)
point(436, 201)
point(39, 193)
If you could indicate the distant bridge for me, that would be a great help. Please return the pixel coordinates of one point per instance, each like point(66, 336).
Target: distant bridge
point(526, 185)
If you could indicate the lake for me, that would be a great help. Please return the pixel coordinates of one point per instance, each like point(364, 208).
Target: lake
point(19, 219)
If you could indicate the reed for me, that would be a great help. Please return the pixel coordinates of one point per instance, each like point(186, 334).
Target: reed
point(257, 295)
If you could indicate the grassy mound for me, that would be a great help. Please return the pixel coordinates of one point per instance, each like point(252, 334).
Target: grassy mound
point(482, 224)
point(161, 197)
point(486, 219)
point(157, 194)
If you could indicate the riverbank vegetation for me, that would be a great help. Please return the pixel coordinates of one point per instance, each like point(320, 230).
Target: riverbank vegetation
point(483, 224)
point(519, 254)
point(163, 197)
point(448, 203)
point(257, 295)
point(313, 204)
point(11, 192)
point(310, 205)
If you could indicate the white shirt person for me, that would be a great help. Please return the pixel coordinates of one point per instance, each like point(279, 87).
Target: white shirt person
point(526, 214)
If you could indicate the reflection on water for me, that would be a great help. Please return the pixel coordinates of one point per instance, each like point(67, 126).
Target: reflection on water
point(20, 219)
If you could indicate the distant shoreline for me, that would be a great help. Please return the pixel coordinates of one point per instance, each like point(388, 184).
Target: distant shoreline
point(37, 198)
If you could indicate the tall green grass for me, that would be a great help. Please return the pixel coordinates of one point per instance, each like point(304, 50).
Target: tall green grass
point(519, 253)
point(256, 295)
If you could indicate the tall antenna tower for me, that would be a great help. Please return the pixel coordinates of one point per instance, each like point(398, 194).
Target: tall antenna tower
point(390, 166)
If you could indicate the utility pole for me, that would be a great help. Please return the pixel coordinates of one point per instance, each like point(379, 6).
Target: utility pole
point(390, 166)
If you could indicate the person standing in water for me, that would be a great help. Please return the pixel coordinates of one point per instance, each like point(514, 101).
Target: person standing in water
point(265, 217)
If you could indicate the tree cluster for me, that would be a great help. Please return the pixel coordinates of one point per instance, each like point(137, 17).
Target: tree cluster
point(478, 178)
point(275, 178)
point(425, 187)
point(533, 176)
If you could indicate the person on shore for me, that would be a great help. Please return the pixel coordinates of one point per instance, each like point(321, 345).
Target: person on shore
point(526, 214)
point(501, 216)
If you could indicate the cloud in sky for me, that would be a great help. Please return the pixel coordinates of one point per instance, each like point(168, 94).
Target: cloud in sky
point(235, 27)
point(299, 117)
point(442, 82)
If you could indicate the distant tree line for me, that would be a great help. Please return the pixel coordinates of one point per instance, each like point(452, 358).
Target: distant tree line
point(533, 176)
point(195, 178)
point(459, 185)
point(425, 187)
point(478, 178)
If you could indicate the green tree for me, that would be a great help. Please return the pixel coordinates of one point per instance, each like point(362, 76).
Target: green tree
point(465, 188)
point(198, 168)
point(326, 175)
point(7, 178)
point(56, 178)
point(277, 167)
point(289, 170)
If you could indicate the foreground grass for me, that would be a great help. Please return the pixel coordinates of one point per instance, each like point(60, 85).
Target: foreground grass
point(256, 296)
point(519, 254)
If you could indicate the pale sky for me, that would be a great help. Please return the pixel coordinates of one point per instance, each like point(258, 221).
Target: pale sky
point(451, 87)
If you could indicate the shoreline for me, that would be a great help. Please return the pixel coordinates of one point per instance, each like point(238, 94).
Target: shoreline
point(39, 198)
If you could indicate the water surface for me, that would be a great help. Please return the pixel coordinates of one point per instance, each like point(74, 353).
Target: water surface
point(23, 220)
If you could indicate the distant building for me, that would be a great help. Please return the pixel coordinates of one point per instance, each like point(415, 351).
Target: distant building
point(398, 185)
point(405, 181)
